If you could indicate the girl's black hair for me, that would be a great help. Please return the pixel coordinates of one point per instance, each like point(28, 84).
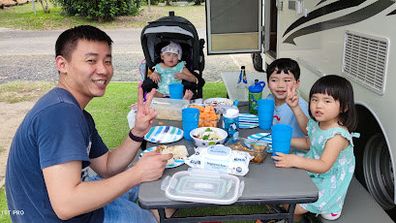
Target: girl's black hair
point(67, 41)
point(341, 90)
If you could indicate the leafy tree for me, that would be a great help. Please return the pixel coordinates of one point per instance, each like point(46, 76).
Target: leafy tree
point(101, 10)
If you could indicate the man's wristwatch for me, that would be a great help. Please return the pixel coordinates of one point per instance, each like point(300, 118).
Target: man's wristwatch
point(135, 138)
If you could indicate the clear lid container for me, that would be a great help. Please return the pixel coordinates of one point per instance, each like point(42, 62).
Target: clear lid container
point(203, 186)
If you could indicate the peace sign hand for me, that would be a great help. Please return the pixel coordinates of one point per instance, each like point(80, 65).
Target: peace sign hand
point(145, 115)
point(292, 97)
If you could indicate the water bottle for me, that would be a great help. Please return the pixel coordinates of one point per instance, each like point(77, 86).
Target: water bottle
point(231, 123)
point(255, 94)
point(242, 83)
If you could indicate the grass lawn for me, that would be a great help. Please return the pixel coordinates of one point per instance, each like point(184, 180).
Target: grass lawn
point(110, 113)
point(23, 17)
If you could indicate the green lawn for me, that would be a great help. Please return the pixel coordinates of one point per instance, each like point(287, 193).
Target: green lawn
point(23, 17)
point(110, 113)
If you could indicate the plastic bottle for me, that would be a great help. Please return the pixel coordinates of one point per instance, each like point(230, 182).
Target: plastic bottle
point(255, 94)
point(231, 123)
point(242, 83)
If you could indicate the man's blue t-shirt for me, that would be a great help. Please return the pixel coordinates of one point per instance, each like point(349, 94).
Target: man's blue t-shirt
point(55, 131)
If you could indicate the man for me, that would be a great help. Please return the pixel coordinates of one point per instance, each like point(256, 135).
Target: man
point(46, 177)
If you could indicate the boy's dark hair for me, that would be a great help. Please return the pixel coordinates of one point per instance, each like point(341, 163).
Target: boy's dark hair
point(341, 90)
point(286, 65)
point(67, 41)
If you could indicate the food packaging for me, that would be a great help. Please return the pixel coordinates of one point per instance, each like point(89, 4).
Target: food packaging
point(203, 186)
point(220, 158)
point(257, 149)
point(169, 109)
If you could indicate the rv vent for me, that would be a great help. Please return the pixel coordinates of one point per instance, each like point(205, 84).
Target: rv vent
point(365, 60)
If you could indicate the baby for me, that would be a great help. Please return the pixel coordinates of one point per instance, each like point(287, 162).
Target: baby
point(170, 70)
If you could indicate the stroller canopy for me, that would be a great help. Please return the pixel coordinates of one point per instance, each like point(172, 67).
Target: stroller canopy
point(160, 32)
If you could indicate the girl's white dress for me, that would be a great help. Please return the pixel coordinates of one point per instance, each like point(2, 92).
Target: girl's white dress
point(333, 184)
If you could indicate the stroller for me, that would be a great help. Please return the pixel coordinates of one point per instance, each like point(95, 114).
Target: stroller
point(159, 33)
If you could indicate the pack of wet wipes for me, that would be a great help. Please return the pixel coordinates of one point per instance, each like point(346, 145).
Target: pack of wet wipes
point(220, 158)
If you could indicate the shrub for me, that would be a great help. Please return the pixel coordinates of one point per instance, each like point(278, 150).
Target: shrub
point(101, 10)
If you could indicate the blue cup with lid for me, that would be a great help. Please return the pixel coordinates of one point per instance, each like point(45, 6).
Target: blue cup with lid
point(255, 94)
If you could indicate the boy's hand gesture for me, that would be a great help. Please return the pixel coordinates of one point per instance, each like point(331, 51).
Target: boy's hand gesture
point(292, 97)
point(155, 77)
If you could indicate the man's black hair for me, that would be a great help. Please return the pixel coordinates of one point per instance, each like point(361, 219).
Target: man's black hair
point(67, 41)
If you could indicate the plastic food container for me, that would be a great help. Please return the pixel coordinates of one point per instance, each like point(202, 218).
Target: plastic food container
point(203, 186)
point(170, 109)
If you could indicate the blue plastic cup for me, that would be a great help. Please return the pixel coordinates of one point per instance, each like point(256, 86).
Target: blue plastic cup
point(190, 119)
point(176, 90)
point(281, 138)
point(265, 110)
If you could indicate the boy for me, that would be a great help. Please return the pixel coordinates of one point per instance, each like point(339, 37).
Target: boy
point(283, 77)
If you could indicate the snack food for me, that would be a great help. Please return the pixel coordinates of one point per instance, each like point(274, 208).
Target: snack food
point(178, 152)
point(207, 134)
point(207, 116)
point(257, 150)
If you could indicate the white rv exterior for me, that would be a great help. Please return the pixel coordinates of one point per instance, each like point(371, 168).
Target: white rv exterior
point(357, 40)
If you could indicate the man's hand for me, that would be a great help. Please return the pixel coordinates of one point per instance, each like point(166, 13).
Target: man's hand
point(151, 166)
point(155, 77)
point(292, 97)
point(145, 115)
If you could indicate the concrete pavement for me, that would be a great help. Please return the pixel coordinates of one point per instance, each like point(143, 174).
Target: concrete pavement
point(29, 55)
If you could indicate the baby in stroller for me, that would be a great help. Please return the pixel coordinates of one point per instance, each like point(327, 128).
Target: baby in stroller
point(170, 70)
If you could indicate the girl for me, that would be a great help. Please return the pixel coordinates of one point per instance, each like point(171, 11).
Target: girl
point(330, 161)
point(170, 70)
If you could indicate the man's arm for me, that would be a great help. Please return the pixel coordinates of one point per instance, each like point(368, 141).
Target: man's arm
point(70, 197)
point(120, 157)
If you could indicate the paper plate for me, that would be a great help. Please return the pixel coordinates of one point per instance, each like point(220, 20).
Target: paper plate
point(164, 134)
point(263, 137)
point(248, 121)
point(176, 162)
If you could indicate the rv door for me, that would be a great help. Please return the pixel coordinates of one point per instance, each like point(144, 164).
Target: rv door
point(234, 26)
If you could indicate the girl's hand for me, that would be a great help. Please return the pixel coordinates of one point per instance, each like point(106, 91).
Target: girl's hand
point(145, 115)
point(180, 76)
point(292, 97)
point(285, 160)
point(155, 77)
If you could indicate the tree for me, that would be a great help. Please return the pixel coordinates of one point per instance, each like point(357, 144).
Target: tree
point(198, 2)
point(100, 10)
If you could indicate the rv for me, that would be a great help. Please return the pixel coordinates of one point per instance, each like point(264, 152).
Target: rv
point(352, 38)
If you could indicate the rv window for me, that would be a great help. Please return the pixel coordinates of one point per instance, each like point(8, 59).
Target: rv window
point(233, 26)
